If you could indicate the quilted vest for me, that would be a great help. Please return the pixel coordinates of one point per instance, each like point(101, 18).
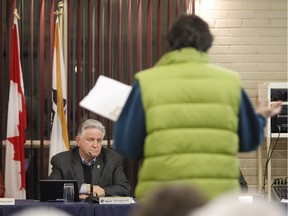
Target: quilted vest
point(191, 110)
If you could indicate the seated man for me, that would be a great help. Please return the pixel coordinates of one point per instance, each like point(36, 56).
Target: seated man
point(89, 162)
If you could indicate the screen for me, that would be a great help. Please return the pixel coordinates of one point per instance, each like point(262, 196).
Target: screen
point(52, 190)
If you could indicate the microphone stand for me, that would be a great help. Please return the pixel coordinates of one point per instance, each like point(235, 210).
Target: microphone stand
point(91, 199)
point(91, 188)
point(91, 185)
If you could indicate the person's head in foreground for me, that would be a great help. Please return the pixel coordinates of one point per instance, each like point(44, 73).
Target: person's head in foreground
point(230, 205)
point(41, 211)
point(173, 200)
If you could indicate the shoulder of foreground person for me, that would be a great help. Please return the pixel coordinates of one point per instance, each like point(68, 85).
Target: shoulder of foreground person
point(229, 204)
point(171, 200)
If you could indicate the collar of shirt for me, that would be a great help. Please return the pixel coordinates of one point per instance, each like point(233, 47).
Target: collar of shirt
point(88, 163)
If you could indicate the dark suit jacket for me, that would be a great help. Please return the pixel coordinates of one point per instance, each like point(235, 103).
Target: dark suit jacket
point(107, 171)
point(2, 188)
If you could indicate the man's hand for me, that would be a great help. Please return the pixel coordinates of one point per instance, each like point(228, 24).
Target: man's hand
point(83, 196)
point(98, 191)
point(263, 108)
point(85, 191)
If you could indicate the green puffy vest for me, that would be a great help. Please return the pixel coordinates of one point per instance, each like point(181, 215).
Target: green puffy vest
point(191, 110)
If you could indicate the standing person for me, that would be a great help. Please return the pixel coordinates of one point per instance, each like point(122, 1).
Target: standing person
point(187, 118)
point(108, 177)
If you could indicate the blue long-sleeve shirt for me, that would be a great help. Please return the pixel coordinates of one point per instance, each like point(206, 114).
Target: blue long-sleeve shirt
point(130, 130)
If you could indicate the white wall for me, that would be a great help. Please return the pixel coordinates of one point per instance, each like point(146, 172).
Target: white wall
point(251, 38)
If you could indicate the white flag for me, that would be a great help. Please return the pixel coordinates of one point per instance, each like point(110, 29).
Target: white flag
point(59, 140)
point(15, 181)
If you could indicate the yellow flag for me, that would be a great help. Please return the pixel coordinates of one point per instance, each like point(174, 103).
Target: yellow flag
point(59, 140)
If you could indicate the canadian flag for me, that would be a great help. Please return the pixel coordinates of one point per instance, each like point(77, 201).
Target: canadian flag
point(15, 182)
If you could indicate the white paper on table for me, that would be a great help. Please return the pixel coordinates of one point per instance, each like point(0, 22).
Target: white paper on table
point(107, 98)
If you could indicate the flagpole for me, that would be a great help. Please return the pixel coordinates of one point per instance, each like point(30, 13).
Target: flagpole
point(15, 12)
point(64, 36)
point(59, 13)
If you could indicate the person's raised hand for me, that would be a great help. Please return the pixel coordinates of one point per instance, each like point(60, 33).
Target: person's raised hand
point(268, 110)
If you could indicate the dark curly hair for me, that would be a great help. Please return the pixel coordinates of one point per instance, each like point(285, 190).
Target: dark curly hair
point(190, 31)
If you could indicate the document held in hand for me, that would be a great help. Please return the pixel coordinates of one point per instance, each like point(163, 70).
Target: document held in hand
point(107, 98)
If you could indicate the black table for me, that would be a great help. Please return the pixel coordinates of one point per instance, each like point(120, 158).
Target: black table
point(78, 208)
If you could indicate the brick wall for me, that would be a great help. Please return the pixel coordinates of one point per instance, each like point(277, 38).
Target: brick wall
point(251, 38)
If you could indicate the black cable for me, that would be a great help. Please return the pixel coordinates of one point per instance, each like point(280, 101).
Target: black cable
point(262, 191)
point(269, 156)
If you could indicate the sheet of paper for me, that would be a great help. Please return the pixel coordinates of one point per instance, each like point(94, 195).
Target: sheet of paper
point(116, 200)
point(7, 201)
point(107, 98)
